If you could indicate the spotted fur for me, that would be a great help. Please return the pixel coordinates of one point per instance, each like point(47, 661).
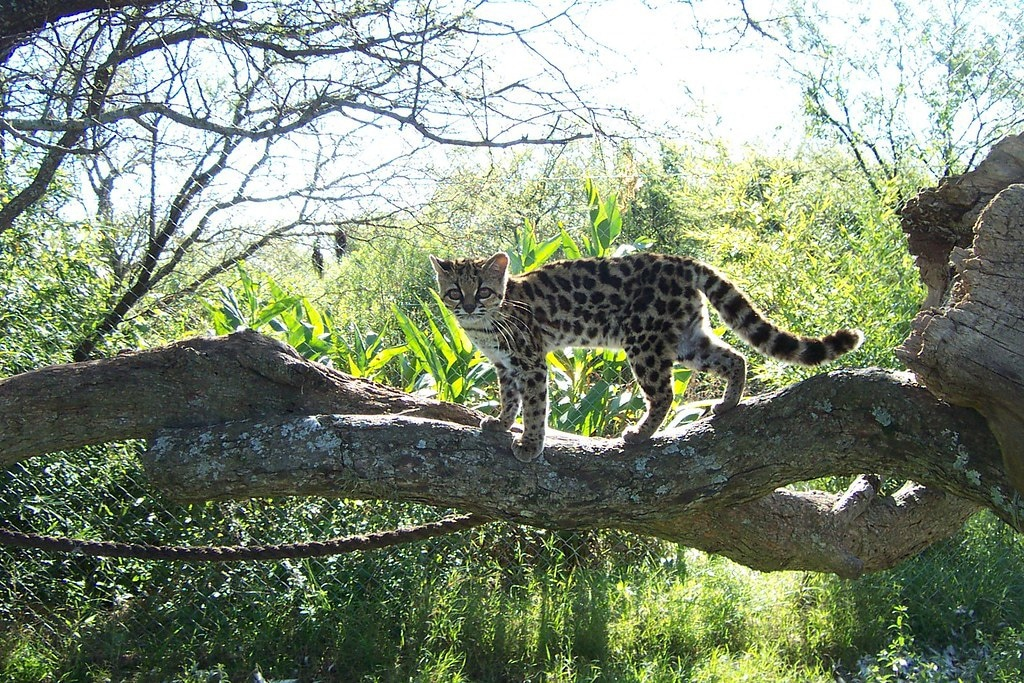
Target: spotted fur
point(649, 305)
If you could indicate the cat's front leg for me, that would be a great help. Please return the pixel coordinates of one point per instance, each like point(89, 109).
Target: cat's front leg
point(535, 413)
point(511, 398)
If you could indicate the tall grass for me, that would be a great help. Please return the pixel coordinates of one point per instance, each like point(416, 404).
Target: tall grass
point(444, 610)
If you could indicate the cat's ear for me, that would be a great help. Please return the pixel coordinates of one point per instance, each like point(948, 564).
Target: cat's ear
point(440, 267)
point(497, 264)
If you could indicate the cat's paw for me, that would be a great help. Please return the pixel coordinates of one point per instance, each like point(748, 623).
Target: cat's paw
point(723, 407)
point(493, 424)
point(634, 435)
point(527, 450)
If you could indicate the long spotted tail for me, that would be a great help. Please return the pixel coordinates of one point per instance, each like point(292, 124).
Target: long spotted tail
point(742, 317)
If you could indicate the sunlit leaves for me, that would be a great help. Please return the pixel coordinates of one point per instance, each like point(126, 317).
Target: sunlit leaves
point(443, 360)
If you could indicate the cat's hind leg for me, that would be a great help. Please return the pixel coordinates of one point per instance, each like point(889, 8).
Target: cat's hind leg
point(706, 352)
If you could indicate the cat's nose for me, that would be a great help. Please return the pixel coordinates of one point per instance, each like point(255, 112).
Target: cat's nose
point(469, 306)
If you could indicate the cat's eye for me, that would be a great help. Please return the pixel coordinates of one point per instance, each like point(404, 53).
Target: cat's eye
point(484, 292)
point(453, 294)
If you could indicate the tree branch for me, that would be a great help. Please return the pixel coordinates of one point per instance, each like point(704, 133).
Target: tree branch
point(244, 416)
point(19, 20)
point(200, 381)
point(390, 68)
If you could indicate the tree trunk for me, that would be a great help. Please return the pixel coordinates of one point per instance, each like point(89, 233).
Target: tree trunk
point(244, 416)
point(20, 20)
point(712, 486)
point(970, 350)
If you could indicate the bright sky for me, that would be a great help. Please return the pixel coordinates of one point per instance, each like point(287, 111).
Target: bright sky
point(658, 67)
point(648, 60)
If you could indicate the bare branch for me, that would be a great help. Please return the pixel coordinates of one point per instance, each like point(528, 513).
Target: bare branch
point(20, 20)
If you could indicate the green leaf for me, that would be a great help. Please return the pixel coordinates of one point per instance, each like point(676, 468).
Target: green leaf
point(545, 250)
point(417, 342)
point(569, 246)
point(605, 220)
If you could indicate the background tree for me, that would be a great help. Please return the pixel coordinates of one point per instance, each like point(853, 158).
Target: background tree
point(935, 86)
point(208, 132)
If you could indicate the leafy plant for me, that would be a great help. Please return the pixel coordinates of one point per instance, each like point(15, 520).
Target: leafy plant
point(364, 354)
point(602, 230)
point(443, 360)
point(592, 392)
point(597, 239)
point(265, 307)
point(246, 306)
point(529, 253)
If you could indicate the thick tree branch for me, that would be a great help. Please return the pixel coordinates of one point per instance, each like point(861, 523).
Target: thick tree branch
point(712, 486)
point(939, 219)
point(19, 19)
point(201, 381)
point(245, 416)
point(841, 423)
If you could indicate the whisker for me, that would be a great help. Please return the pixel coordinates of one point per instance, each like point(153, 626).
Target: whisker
point(522, 324)
point(505, 332)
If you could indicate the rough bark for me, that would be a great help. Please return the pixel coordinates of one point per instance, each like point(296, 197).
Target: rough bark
point(970, 351)
point(244, 416)
point(19, 19)
point(942, 218)
point(711, 486)
point(195, 382)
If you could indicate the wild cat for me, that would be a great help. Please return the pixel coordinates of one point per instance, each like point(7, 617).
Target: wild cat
point(649, 305)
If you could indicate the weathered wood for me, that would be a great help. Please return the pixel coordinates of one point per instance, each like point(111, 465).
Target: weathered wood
point(939, 219)
point(841, 423)
point(234, 417)
point(971, 351)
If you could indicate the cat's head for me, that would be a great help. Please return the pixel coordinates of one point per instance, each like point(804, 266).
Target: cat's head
point(472, 287)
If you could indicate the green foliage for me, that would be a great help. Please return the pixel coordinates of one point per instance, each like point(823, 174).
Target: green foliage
point(499, 603)
point(811, 243)
point(246, 307)
point(591, 392)
point(816, 257)
point(605, 223)
point(529, 253)
point(366, 354)
point(595, 240)
point(601, 232)
point(264, 306)
point(808, 240)
point(443, 361)
point(52, 285)
point(486, 208)
point(376, 277)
